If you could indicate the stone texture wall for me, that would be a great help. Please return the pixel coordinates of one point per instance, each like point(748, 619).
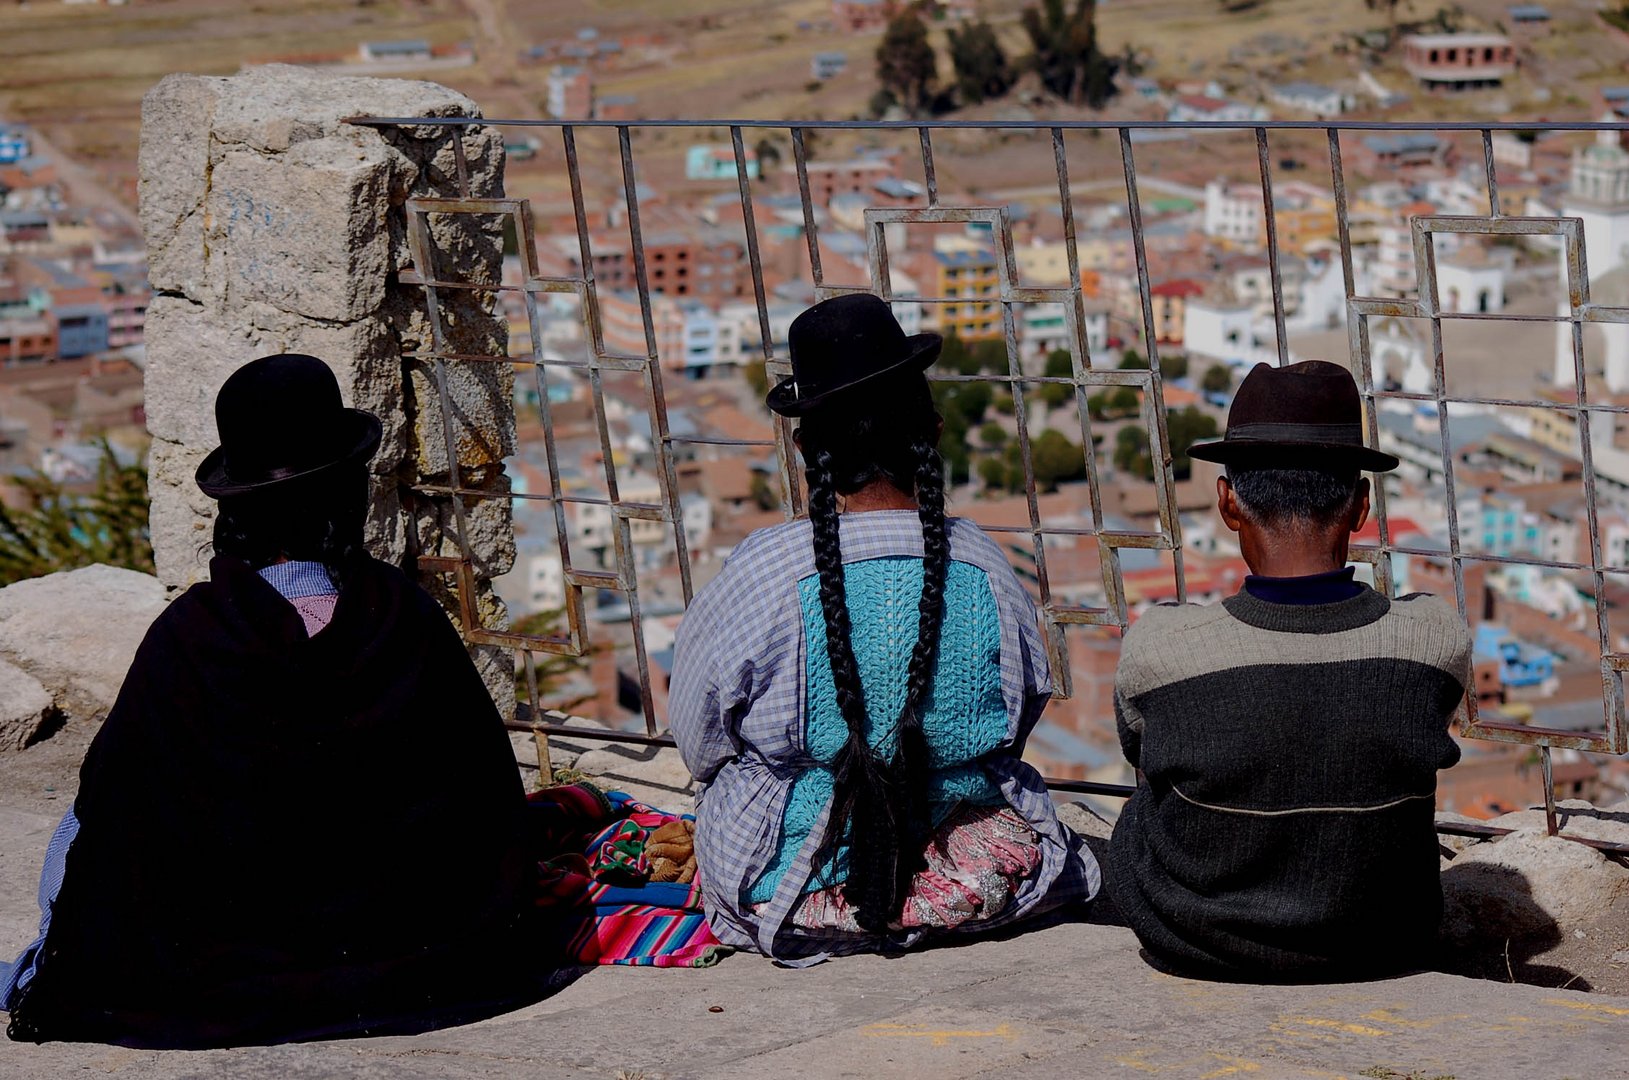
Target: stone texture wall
point(273, 226)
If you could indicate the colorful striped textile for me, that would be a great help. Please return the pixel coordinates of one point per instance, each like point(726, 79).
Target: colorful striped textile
point(598, 885)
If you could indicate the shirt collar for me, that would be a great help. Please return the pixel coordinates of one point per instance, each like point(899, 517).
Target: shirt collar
point(1330, 587)
point(294, 579)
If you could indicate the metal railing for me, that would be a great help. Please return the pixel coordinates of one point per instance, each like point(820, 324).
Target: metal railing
point(623, 577)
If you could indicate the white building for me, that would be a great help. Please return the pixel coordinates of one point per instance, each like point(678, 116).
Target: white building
point(592, 524)
point(1219, 330)
point(1394, 270)
point(709, 339)
point(1598, 192)
point(1314, 98)
point(1398, 357)
point(545, 581)
point(1043, 329)
point(1322, 303)
point(1473, 280)
point(1203, 108)
point(1233, 213)
point(378, 52)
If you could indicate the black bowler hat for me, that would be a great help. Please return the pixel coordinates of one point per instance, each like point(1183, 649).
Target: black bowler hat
point(841, 343)
point(1304, 414)
point(281, 418)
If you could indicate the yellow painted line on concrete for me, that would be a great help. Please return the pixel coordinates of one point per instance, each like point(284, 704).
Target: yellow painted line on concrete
point(939, 1036)
point(1231, 1066)
point(1610, 1010)
point(1390, 1016)
point(1337, 1025)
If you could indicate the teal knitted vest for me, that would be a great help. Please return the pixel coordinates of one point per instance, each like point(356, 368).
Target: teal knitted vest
point(964, 715)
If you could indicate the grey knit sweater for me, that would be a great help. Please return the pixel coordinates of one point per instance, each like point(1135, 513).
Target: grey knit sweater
point(1285, 829)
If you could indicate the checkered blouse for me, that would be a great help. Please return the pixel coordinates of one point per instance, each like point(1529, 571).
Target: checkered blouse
point(736, 707)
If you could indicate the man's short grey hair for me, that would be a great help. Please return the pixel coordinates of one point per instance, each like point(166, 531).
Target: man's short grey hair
point(1321, 496)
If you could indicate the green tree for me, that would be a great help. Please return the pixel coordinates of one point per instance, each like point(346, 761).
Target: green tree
point(1055, 459)
point(981, 66)
point(1186, 428)
point(62, 530)
point(1123, 401)
point(906, 65)
point(1389, 7)
point(954, 355)
point(993, 435)
point(765, 494)
point(953, 440)
point(1216, 380)
point(1173, 367)
point(989, 355)
point(993, 472)
point(1066, 54)
point(1131, 452)
point(768, 152)
point(1004, 404)
point(1132, 359)
point(756, 377)
point(1059, 365)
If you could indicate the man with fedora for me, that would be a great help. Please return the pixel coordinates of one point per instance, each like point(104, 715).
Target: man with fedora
point(1289, 737)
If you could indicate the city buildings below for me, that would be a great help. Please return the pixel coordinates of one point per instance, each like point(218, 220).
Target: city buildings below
point(570, 93)
point(1314, 98)
point(862, 16)
point(1458, 62)
point(394, 52)
point(827, 65)
point(1202, 108)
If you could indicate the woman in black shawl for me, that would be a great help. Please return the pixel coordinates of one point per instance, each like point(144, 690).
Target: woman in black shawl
point(302, 817)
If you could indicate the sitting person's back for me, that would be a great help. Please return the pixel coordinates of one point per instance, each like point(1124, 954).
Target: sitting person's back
point(854, 691)
point(1289, 737)
point(302, 816)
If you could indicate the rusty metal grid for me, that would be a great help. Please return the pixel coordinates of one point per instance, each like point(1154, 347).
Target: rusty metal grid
point(1613, 738)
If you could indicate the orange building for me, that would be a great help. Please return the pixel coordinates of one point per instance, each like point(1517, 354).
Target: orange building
point(968, 274)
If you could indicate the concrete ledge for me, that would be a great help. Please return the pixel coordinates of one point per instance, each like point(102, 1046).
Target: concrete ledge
point(1071, 1000)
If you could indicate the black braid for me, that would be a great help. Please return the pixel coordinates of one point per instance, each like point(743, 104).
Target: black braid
point(860, 804)
point(913, 746)
point(879, 806)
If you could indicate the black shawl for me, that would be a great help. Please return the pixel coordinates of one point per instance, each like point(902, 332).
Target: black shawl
point(286, 837)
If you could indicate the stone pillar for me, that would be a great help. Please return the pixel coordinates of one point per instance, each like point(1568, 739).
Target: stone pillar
point(273, 226)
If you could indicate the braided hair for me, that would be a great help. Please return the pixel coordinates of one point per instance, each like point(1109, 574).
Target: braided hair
point(880, 807)
point(317, 519)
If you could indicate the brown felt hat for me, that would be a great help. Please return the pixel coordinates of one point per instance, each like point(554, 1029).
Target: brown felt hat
point(1303, 415)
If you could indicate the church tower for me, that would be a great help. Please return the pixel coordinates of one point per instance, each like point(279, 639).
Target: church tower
point(1598, 193)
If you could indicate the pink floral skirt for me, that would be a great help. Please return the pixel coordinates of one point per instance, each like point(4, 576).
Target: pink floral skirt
point(976, 861)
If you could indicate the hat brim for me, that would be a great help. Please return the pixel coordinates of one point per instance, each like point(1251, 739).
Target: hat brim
point(1270, 454)
point(924, 350)
point(362, 438)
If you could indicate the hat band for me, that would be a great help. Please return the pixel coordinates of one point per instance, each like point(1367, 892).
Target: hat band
point(1298, 433)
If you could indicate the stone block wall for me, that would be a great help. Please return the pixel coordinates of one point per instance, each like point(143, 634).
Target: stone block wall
point(273, 226)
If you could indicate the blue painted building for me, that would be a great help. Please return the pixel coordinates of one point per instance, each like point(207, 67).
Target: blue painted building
point(703, 162)
point(1520, 664)
point(14, 146)
point(81, 330)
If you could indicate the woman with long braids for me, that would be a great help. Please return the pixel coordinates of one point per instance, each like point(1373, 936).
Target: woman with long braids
point(854, 690)
point(302, 817)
